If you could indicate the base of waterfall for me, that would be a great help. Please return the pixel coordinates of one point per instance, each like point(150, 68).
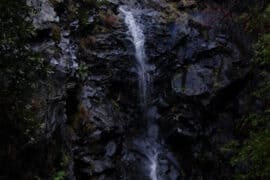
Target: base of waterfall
point(144, 158)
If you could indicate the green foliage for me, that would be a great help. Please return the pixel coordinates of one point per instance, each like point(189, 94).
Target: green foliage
point(262, 50)
point(84, 13)
point(21, 71)
point(60, 175)
point(264, 91)
point(14, 27)
point(256, 19)
point(20, 68)
point(253, 157)
point(251, 153)
point(83, 71)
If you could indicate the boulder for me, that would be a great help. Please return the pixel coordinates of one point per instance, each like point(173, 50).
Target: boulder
point(195, 81)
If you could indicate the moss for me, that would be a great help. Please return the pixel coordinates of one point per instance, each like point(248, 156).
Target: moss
point(262, 50)
point(54, 2)
point(83, 18)
point(83, 71)
point(171, 13)
point(56, 33)
point(60, 175)
point(72, 9)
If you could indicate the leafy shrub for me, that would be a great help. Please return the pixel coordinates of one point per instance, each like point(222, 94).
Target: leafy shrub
point(21, 71)
point(256, 19)
point(60, 175)
point(251, 157)
point(262, 50)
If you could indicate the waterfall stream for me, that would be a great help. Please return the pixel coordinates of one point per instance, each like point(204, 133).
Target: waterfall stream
point(138, 41)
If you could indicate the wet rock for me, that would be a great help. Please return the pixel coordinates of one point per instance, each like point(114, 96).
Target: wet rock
point(85, 171)
point(214, 62)
point(162, 103)
point(167, 168)
point(101, 116)
point(69, 49)
point(96, 135)
point(56, 114)
point(74, 25)
point(89, 92)
point(196, 81)
point(86, 159)
point(178, 34)
point(222, 37)
point(99, 166)
point(47, 47)
point(43, 14)
point(187, 4)
point(184, 132)
point(111, 149)
point(116, 2)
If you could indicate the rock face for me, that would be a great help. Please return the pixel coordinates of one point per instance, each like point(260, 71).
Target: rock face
point(196, 81)
point(187, 4)
point(43, 13)
point(195, 68)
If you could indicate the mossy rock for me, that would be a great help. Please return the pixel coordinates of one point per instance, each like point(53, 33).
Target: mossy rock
point(56, 33)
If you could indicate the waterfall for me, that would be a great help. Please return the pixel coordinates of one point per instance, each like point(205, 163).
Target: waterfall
point(153, 166)
point(138, 40)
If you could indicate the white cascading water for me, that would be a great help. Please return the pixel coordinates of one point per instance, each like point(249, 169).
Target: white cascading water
point(138, 40)
point(153, 166)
